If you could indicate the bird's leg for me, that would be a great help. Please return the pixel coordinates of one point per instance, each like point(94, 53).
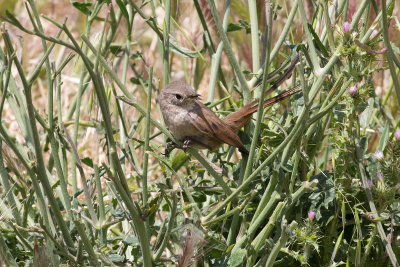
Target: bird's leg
point(186, 143)
point(169, 147)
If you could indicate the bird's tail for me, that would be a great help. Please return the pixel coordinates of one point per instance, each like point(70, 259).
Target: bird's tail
point(241, 117)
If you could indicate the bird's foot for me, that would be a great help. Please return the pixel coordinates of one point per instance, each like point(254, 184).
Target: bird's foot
point(169, 147)
point(186, 143)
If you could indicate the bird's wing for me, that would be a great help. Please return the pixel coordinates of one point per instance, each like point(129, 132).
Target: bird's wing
point(209, 124)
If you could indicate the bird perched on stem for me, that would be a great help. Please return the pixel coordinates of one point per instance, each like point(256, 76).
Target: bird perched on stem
point(195, 125)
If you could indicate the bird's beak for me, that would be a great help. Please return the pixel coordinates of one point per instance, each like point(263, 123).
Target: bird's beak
point(195, 96)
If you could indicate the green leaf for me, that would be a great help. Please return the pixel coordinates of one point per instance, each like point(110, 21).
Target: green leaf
point(337, 245)
point(384, 138)
point(88, 162)
point(137, 80)
point(134, 81)
point(343, 213)
point(124, 11)
point(11, 19)
point(198, 197)
point(366, 114)
point(358, 223)
point(179, 158)
point(55, 184)
point(116, 258)
point(183, 51)
point(237, 257)
point(116, 49)
point(83, 7)
point(232, 27)
point(318, 42)
point(131, 240)
point(274, 139)
point(137, 55)
point(390, 9)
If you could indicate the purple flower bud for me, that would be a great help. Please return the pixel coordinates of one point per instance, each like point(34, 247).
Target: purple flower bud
point(311, 215)
point(353, 89)
point(374, 33)
point(346, 27)
point(378, 155)
point(397, 134)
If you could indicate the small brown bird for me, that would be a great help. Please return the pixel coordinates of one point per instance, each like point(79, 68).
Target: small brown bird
point(196, 125)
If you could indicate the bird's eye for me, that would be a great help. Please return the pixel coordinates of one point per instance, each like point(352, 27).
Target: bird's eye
point(178, 96)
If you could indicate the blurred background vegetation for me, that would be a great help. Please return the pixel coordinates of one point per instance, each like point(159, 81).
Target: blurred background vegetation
point(84, 181)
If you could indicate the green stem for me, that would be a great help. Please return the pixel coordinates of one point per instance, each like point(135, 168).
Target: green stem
point(12, 200)
point(276, 249)
point(172, 219)
point(278, 43)
point(53, 143)
point(40, 169)
point(381, 231)
point(285, 30)
point(390, 55)
point(259, 240)
point(328, 108)
point(216, 57)
point(261, 100)
point(146, 146)
point(389, 90)
point(5, 254)
point(81, 87)
point(88, 245)
point(231, 55)
point(266, 204)
point(218, 177)
point(137, 221)
point(166, 30)
point(88, 199)
point(365, 20)
point(247, 161)
point(328, 26)
point(102, 218)
point(296, 131)
point(369, 245)
point(182, 183)
point(313, 52)
point(115, 163)
point(255, 40)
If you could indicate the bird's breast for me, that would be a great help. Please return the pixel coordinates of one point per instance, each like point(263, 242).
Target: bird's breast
point(180, 122)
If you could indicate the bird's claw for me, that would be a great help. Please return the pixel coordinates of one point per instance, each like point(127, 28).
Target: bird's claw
point(186, 144)
point(169, 147)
